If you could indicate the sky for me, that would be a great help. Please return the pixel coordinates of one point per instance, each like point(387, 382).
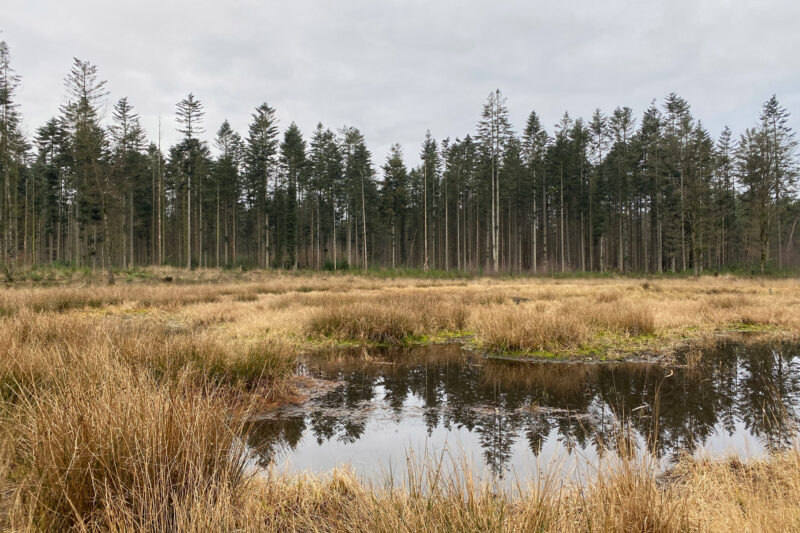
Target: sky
point(395, 69)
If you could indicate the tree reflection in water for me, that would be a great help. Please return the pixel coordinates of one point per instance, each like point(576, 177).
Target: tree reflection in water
point(740, 389)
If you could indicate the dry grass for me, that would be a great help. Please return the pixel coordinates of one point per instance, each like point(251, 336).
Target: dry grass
point(120, 451)
point(85, 457)
point(118, 405)
point(39, 349)
point(294, 305)
point(390, 319)
point(564, 328)
point(626, 495)
point(529, 329)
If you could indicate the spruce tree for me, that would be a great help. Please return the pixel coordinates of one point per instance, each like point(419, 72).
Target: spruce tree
point(494, 131)
point(293, 160)
point(261, 159)
point(12, 146)
point(192, 158)
point(86, 92)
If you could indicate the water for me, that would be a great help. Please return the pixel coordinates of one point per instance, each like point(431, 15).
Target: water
point(511, 420)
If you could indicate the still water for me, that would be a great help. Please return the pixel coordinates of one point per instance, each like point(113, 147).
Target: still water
point(512, 420)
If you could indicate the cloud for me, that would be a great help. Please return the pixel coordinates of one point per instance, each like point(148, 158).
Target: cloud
point(396, 69)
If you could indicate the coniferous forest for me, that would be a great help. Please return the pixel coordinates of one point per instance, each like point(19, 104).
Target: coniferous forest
point(618, 191)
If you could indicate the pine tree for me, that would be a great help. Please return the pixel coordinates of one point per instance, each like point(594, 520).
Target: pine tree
point(189, 114)
point(127, 142)
point(431, 168)
point(88, 141)
point(599, 139)
point(395, 200)
point(327, 169)
point(678, 122)
point(193, 156)
point(53, 162)
point(261, 159)
point(534, 146)
point(12, 147)
point(725, 197)
point(227, 182)
point(649, 145)
point(781, 145)
point(698, 185)
point(753, 170)
point(621, 124)
point(293, 160)
point(494, 131)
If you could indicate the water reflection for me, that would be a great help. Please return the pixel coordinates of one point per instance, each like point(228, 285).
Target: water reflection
point(742, 391)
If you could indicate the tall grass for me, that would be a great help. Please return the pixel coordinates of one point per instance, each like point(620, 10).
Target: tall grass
point(390, 319)
point(38, 349)
point(121, 450)
point(130, 454)
point(534, 328)
point(626, 319)
point(624, 494)
point(119, 406)
point(528, 329)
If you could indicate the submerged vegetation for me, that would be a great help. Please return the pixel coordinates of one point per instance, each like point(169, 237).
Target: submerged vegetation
point(122, 406)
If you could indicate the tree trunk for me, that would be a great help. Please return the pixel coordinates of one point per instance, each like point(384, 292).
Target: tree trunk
point(364, 222)
point(425, 214)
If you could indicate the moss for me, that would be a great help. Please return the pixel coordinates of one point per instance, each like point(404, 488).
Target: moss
point(751, 326)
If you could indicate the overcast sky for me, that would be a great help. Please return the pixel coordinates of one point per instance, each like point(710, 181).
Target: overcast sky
point(395, 69)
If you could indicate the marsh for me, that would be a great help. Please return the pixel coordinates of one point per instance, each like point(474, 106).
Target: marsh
point(544, 402)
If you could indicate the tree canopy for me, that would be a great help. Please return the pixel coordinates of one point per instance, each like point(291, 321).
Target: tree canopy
point(617, 192)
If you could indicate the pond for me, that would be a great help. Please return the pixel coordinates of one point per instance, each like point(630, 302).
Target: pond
point(511, 421)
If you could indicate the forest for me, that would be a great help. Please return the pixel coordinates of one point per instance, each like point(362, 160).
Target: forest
point(615, 193)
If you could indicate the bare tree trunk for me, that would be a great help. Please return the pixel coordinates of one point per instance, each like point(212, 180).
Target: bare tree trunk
point(683, 226)
point(364, 222)
point(130, 231)
point(533, 227)
point(778, 222)
point(200, 251)
point(425, 213)
point(189, 224)
point(446, 228)
point(218, 228)
point(544, 222)
point(458, 219)
point(349, 237)
point(160, 198)
point(495, 213)
point(561, 215)
point(789, 242)
point(393, 244)
point(583, 245)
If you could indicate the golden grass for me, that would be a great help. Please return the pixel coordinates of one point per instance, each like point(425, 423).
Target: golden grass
point(626, 495)
point(537, 328)
point(129, 454)
point(39, 349)
point(120, 451)
point(528, 329)
point(389, 319)
point(118, 405)
point(566, 317)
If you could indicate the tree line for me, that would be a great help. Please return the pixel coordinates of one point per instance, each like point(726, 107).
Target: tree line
point(613, 193)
